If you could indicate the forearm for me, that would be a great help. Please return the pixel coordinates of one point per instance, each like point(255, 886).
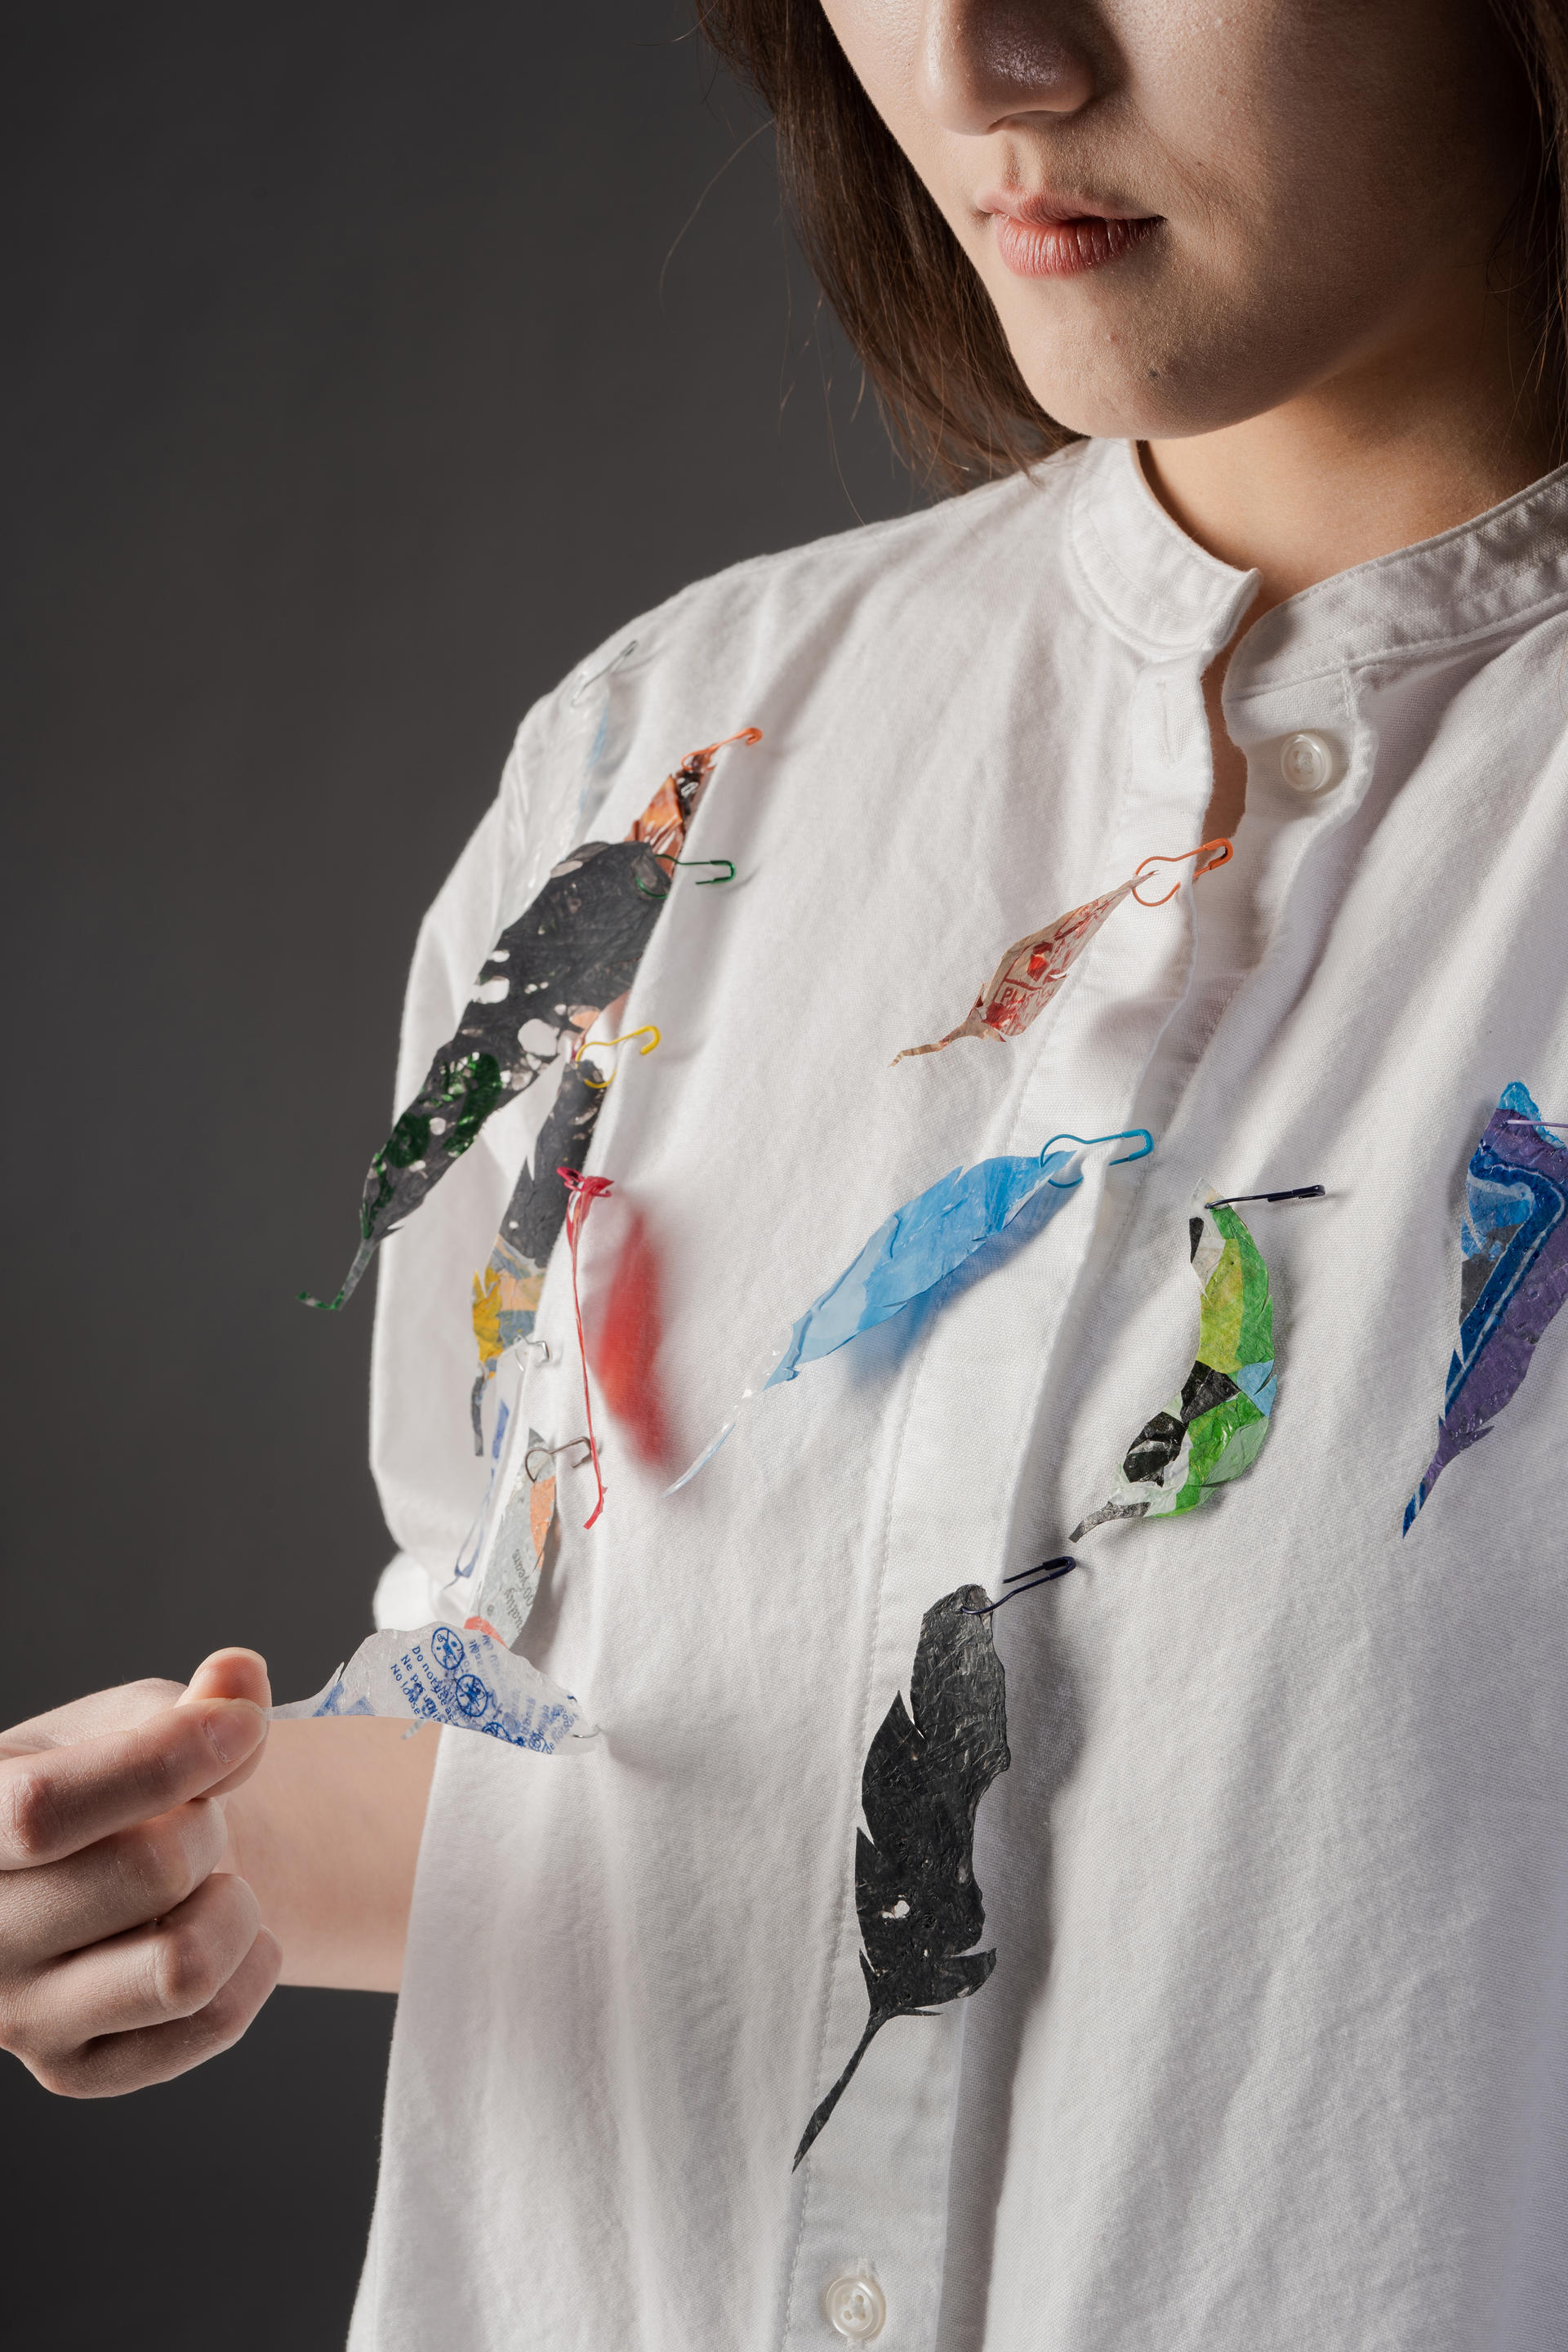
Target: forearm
point(327, 1833)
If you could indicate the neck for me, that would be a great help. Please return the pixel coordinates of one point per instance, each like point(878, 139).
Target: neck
point(1405, 444)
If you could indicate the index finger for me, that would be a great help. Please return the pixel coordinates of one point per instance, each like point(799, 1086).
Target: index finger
point(55, 1800)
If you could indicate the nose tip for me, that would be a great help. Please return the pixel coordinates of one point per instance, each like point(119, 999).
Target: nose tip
point(983, 62)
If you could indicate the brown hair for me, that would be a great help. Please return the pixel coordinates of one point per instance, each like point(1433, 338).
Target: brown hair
point(906, 295)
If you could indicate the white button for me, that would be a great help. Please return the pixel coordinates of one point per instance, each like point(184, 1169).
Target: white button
point(856, 2308)
point(1307, 763)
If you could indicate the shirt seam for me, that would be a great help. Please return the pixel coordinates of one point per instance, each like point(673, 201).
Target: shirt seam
point(1340, 663)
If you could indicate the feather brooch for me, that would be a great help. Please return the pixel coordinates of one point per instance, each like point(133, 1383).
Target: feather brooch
point(1034, 968)
point(914, 1249)
point(1214, 1429)
point(1515, 1243)
point(571, 955)
point(926, 1771)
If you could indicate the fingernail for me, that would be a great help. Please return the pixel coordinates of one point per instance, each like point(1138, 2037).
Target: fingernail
point(234, 1727)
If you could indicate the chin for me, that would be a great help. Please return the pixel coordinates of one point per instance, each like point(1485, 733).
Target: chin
point(1165, 369)
point(1112, 408)
point(1137, 397)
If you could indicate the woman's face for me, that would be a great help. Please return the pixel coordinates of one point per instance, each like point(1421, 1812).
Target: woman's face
point(1188, 211)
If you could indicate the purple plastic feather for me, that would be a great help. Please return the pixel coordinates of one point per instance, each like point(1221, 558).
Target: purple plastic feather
point(1515, 1242)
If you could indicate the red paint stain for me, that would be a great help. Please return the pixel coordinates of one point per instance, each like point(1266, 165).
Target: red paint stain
point(625, 1351)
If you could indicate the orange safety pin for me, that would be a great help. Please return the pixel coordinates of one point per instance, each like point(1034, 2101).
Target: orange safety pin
point(1227, 850)
point(742, 735)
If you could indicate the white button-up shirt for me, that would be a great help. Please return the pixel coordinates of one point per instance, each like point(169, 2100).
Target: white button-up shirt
point(1275, 2053)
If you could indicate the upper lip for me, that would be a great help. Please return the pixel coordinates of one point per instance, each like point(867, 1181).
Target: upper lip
point(1043, 208)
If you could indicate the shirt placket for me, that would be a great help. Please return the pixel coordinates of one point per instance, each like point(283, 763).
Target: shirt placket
point(871, 2240)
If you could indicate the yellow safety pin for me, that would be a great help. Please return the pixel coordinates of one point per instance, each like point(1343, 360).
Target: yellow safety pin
point(603, 1045)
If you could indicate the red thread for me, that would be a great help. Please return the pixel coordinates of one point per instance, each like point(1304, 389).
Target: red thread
point(583, 1191)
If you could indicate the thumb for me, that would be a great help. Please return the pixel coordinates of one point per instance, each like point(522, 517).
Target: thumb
point(232, 1674)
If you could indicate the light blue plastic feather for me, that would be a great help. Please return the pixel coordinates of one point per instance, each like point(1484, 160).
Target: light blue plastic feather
point(928, 1238)
point(913, 1250)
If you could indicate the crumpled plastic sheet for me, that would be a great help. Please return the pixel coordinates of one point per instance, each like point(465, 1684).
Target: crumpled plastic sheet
point(502, 1601)
point(465, 1680)
point(1034, 968)
point(926, 1771)
point(1515, 1275)
point(1029, 974)
point(506, 1295)
point(568, 957)
point(911, 1250)
point(472, 1679)
point(1214, 1429)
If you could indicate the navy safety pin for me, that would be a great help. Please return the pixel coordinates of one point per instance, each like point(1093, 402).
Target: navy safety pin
point(1028, 1580)
point(1297, 1192)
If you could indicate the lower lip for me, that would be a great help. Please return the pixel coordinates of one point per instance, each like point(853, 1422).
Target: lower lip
point(1066, 248)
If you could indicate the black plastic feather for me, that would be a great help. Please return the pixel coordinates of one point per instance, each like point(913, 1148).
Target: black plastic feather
point(575, 949)
point(926, 1771)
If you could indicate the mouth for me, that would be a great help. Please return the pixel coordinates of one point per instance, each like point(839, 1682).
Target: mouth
point(1044, 236)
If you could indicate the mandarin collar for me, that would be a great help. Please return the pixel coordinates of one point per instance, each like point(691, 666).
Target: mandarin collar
point(1167, 596)
point(1140, 570)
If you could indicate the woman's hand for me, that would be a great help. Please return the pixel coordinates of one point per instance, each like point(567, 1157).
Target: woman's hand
point(128, 1951)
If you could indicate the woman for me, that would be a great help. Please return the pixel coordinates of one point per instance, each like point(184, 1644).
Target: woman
point(1273, 2049)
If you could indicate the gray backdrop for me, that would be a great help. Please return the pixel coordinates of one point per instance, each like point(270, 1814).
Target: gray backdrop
point(372, 367)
